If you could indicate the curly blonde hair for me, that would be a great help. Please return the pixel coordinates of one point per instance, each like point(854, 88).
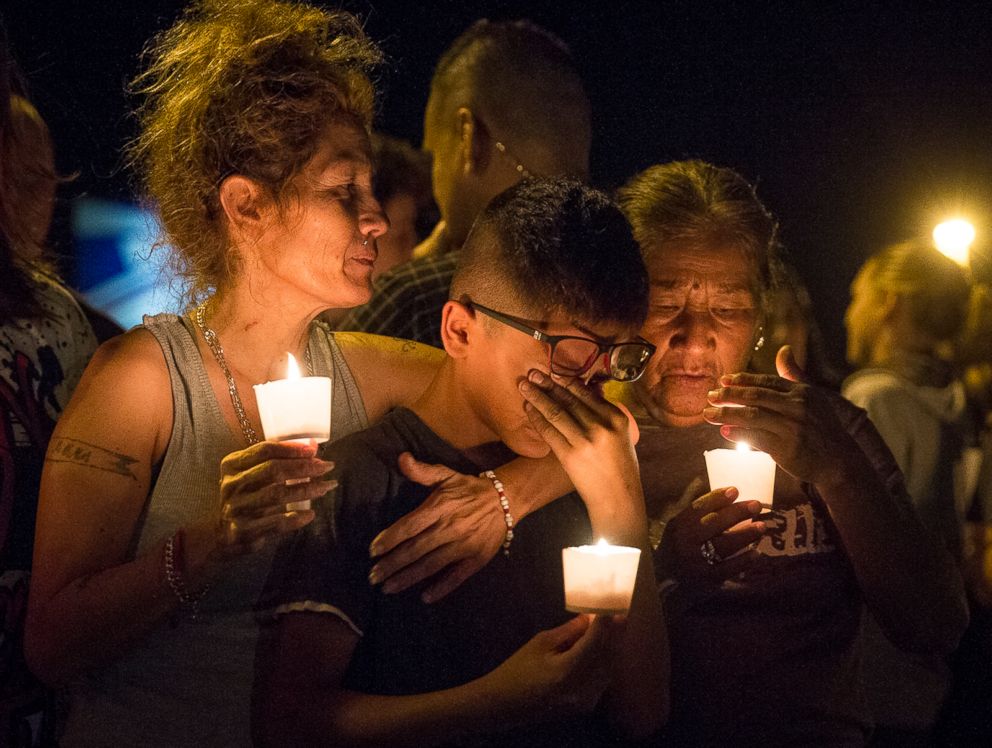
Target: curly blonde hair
point(240, 87)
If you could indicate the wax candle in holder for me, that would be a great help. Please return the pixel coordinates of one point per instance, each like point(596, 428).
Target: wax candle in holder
point(295, 409)
point(600, 578)
point(750, 471)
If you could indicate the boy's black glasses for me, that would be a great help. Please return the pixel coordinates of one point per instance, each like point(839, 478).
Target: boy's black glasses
point(573, 356)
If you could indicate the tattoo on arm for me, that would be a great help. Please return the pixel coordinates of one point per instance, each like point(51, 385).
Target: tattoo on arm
point(76, 452)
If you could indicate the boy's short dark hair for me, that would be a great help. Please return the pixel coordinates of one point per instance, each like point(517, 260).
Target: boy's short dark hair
point(555, 245)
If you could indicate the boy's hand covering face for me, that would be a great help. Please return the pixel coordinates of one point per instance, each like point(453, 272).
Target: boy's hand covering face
point(590, 436)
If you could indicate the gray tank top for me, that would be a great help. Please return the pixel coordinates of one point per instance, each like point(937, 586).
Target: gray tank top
point(188, 682)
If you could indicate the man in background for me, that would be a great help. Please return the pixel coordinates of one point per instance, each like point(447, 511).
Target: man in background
point(506, 102)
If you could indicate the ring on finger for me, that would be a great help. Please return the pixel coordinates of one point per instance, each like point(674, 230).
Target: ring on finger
point(710, 553)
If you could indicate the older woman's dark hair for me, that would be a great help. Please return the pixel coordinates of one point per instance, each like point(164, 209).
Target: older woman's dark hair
point(697, 204)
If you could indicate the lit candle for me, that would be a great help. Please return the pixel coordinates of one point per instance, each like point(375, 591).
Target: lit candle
point(750, 471)
point(600, 578)
point(295, 409)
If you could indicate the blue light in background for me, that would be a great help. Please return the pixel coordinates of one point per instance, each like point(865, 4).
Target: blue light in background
point(118, 271)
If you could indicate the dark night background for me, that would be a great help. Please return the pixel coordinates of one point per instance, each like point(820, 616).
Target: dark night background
point(862, 124)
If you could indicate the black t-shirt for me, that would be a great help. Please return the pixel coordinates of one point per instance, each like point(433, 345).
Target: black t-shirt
point(406, 646)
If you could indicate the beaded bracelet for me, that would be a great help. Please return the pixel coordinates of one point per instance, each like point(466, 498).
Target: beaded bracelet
point(175, 565)
point(505, 505)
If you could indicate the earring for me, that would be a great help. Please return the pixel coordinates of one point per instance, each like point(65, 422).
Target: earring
point(761, 339)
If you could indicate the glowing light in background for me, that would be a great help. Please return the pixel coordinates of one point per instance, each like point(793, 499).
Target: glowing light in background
point(953, 238)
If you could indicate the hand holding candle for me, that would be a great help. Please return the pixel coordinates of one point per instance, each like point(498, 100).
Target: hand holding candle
point(600, 578)
point(295, 409)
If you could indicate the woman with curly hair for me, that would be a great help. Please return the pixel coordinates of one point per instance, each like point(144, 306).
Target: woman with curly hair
point(254, 148)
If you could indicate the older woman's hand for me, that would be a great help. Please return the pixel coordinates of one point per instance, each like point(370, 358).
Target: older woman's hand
point(793, 422)
point(455, 532)
point(258, 487)
point(715, 519)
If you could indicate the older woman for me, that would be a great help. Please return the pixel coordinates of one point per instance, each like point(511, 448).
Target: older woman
point(764, 637)
point(255, 148)
point(764, 616)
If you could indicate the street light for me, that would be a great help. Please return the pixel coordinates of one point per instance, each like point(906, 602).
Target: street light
point(953, 238)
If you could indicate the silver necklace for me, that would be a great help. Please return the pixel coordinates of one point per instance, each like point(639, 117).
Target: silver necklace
point(213, 343)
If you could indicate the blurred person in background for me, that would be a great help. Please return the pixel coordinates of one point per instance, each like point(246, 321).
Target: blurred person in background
point(34, 180)
point(45, 343)
point(401, 182)
point(909, 304)
point(506, 102)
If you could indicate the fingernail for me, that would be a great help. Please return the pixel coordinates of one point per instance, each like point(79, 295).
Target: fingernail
point(697, 504)
point(754, 507)
point(525, 386)
point(331, 485)
point(713, 395)
point(732, 493)
point(709, 412)
point(375, 547)
point(537, 377)
point(726, 380)
point(726, 431)
point(759, 526)
point(374, 577)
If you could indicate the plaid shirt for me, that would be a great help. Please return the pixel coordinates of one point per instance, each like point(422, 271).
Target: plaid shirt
point(407, 301)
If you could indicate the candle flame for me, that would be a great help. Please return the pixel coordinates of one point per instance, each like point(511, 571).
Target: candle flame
point(743, 447)
point(292, 368)
point(602, 543)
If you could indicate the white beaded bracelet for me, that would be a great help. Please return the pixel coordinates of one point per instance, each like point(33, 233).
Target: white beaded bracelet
point(505, 505)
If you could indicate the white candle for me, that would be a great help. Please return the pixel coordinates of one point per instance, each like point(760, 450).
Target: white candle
point(295, 409)
point(751, 472)
point(600, 578)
